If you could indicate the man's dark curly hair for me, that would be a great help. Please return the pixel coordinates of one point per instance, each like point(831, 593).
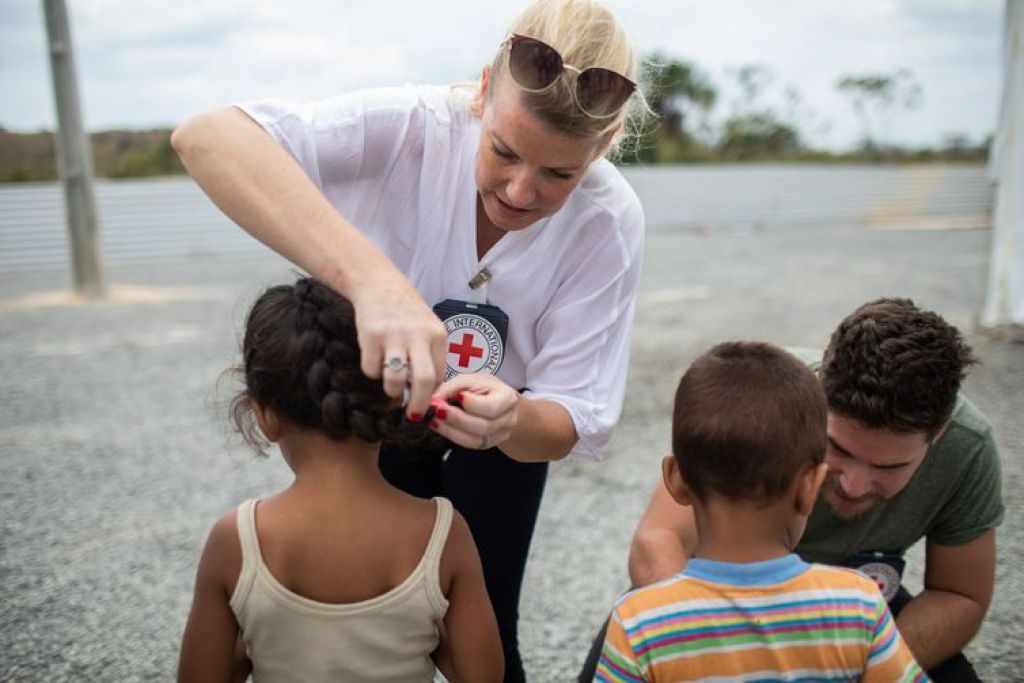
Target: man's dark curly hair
point(300, 359)
point(892, 365)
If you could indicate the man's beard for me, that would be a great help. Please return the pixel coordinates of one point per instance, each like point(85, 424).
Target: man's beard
point(841, 505)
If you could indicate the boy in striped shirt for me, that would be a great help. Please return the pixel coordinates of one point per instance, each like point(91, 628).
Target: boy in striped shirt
point(748, 443)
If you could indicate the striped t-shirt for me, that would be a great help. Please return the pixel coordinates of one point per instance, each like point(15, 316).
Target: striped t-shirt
point(778, 620)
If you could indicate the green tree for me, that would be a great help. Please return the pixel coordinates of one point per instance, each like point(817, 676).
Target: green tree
point(876, 96)
point(677, 91)
point(755, 130)
point(758, 136)
point(679, 95)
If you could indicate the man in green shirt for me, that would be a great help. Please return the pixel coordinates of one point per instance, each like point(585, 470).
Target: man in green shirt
point(909, 458)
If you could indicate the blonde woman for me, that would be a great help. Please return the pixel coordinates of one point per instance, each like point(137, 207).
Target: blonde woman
point(490, 250)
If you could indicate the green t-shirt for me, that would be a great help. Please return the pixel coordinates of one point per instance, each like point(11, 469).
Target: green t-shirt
point(954, 497)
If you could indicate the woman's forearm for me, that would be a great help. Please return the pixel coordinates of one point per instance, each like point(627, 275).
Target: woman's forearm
point(257, 184)
point(544, 431)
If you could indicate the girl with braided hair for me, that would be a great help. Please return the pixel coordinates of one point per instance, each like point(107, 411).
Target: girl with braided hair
point(341, 576)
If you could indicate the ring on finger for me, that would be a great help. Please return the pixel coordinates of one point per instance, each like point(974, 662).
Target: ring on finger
point(396, 364)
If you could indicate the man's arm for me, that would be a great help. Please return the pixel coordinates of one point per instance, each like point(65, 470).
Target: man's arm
point(958, 584)
point(664, 538)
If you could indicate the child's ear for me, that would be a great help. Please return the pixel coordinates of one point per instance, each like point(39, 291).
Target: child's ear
point(267, 421)
point(808, 487)
point(673, 478)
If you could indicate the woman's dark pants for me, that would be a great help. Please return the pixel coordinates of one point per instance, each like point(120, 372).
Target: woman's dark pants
point(499, 497)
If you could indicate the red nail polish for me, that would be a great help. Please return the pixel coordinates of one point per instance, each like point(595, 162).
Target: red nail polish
point(442, 413)
point(415, 417)
point(434, 424)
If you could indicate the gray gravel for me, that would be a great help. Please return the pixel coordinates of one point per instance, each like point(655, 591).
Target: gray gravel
point(115, 456)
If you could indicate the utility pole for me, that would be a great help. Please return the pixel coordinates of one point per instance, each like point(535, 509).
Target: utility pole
point(74, 154)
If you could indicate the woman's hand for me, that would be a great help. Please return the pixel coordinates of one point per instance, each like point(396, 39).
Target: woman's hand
point(487, 416)
point(491, 413)
point(401, 340)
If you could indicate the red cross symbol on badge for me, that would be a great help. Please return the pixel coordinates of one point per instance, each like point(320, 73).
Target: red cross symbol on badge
point(466, 350)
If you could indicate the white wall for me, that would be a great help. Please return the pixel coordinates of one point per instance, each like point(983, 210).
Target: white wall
point(1005, 298)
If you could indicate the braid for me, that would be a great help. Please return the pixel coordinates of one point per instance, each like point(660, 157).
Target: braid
point(302, 361)
point(346, 400)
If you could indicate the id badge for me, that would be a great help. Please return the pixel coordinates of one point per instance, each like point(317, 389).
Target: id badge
point(884, 568)
point(476, 336)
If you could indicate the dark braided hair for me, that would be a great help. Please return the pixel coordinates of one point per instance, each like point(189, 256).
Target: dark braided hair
point(892, 365)
point(301, 361)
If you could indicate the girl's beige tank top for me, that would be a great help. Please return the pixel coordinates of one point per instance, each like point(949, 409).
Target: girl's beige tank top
point(387, 638)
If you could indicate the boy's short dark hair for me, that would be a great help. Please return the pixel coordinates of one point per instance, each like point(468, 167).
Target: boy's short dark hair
point(894, 366)
point(748, 418)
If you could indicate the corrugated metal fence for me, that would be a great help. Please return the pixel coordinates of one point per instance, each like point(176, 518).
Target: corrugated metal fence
point(170, 218)
point(780, 196)
point(162, 219)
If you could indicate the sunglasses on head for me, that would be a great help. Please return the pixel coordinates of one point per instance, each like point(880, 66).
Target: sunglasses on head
point(535, 66)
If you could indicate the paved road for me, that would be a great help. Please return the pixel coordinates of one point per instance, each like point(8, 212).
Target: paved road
point(115, 455)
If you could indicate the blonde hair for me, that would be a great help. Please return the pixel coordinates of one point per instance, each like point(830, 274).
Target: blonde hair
point(587, 35)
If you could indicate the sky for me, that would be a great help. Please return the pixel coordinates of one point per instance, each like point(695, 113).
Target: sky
point(145, 64)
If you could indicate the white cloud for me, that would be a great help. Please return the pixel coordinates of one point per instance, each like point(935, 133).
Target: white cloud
point(146, 64)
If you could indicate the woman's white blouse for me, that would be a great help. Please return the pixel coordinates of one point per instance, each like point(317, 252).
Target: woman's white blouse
point(398, 164)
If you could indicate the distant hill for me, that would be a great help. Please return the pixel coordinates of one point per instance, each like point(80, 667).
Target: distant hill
point(116, 154)
point(140, 153)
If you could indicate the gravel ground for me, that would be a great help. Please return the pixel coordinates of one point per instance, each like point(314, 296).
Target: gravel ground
point(115, 456)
